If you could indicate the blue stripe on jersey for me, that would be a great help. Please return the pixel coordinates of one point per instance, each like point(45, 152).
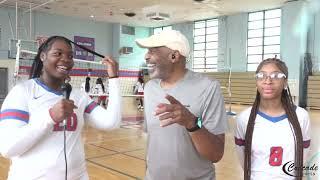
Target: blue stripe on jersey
point(14, 114)
point(46, 87)
point(272, 119)
point(90, 107)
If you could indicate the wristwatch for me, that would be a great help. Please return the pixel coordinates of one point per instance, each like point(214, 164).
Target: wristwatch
point(198, 125)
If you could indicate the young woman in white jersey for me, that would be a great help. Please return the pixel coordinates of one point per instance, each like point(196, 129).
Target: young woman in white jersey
point(273, 133)
point(101, 90)
point(85, 86)
point(32, 115)
point(139, 90)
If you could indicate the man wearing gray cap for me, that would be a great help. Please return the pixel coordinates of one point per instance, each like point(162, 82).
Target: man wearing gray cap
point(184, 113)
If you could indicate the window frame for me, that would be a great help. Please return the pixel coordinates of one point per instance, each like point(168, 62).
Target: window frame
point(276, 38)
point(213, 26)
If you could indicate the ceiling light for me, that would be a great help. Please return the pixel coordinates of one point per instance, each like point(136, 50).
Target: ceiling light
point(130, 14)
point(157, 16)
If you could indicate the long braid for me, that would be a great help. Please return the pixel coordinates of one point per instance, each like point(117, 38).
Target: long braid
point(293, 120)
point(37, 64)
point(87, 85)
point(248, 137)
point(288, 106)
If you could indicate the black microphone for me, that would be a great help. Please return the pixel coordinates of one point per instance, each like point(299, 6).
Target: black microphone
point(66, 90)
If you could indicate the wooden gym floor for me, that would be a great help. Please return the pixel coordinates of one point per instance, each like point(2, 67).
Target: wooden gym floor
point(120, 154)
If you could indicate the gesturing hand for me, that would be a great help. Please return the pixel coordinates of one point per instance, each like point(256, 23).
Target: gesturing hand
point(112, 66)
point(175, 112)
point(62, 110)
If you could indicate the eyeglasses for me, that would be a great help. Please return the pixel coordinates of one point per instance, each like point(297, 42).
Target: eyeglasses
point(273, 76)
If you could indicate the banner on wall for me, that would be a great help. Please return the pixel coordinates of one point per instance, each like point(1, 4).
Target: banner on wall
point(80, 53)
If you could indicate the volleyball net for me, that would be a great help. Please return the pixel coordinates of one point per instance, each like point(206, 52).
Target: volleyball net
point(25, 52)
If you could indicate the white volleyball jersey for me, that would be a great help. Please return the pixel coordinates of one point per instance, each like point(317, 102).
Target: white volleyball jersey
point(139, 87)
point(34, 143)
point(272, 143)
point(98, 89)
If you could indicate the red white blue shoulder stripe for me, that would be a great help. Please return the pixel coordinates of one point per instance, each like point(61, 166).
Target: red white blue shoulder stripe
point(90, 107)
point(14, 114)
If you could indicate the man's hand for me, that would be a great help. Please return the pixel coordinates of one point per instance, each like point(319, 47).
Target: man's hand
point(175, 112)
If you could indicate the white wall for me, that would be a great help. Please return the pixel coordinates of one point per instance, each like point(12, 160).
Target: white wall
point(49, 24)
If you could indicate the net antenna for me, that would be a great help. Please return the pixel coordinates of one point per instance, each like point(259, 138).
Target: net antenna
point(227, 86)
point(229, 111)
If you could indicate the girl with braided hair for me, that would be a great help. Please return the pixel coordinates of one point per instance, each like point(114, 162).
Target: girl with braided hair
point(274, 133)
point(40, 130)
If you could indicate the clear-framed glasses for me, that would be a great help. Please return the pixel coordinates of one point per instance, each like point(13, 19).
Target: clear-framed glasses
point(273, 76)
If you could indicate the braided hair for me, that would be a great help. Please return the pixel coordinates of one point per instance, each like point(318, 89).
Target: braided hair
point(37, 65)
point(87, 84)
point(99, 81)
point(289, 108)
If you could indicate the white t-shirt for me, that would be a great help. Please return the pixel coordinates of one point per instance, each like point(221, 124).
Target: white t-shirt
point(171, 154)
point(34, 143)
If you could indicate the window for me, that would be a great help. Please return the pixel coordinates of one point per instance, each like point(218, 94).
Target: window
point(159, 29)
point(127, 30)
point(263, 37)
point(205, 46)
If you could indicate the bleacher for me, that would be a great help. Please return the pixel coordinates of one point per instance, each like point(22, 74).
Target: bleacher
point(313, 100)
point(243, 86)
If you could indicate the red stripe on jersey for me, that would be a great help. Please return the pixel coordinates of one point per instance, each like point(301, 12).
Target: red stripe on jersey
point(14, 114)
point(239, 142)
point(306, 144)
point(90, 107)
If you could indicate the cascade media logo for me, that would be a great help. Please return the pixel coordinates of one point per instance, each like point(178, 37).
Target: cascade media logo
point(310, 169)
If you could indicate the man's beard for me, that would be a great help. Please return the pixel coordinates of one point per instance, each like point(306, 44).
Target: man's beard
point(159, 73)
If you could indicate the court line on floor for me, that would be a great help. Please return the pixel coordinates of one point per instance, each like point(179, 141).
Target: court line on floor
point(117, 152)
point(133, 157)
point(104, 148)
point(103, 155)
point(112, 169)
point(113, 139)
point(132, 150)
